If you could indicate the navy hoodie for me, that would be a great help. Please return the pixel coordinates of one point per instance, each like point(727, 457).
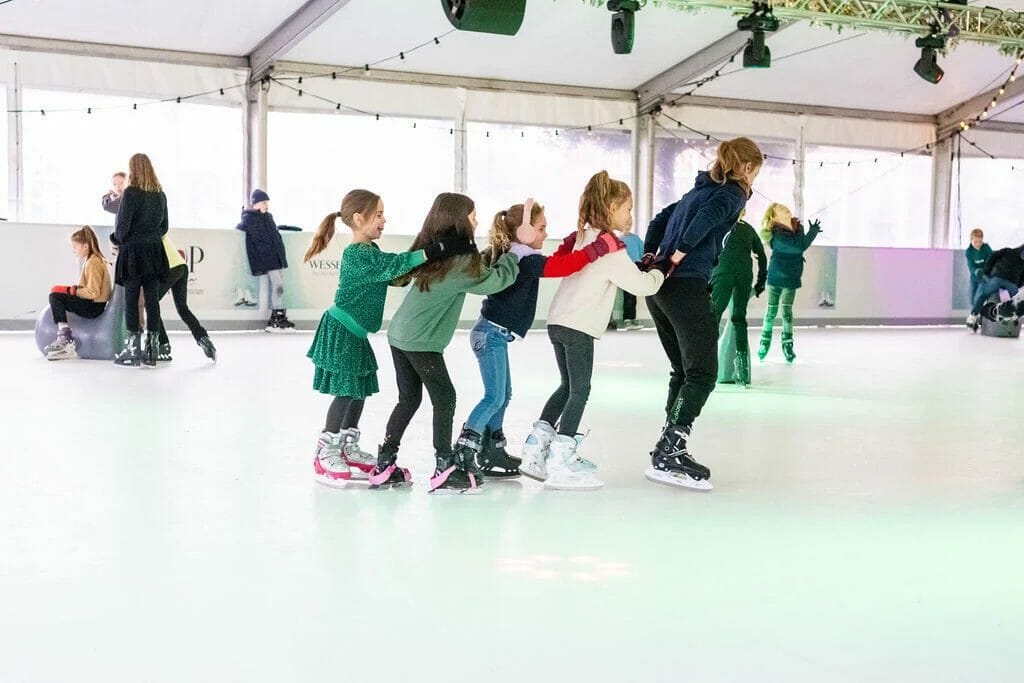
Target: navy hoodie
point(697, 225)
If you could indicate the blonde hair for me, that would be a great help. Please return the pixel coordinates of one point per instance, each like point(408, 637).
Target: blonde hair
point(142, 175)
point(601, 193)
point(732, 156)
point(86, 236)
point(769, 220)
point(503, 229)
point(977, 232)
point(360, 202)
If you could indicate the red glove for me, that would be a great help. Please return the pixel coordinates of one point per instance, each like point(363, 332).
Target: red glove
point(605, 244)
point(70, 290)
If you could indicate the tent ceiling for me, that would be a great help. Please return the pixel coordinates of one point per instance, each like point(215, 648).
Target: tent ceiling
point(226, 27)
point(562, 42)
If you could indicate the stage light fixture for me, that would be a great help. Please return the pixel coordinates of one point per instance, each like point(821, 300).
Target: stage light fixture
point(756, 54)
point(927, 67)
point(623, 24)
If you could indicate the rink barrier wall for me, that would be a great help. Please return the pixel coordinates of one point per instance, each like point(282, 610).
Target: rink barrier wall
point(868, 286)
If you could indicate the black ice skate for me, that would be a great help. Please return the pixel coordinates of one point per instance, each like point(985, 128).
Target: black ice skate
point(672, 465)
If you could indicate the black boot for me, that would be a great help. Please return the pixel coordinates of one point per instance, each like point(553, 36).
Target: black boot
point(272, 321)
point(448, 478)
point(387, 474)
point(152, 351)
point(495, 461)
point(208, 348)
point(283, 323)
point(467, 452)
point(131, 354)
point(163, 354)
point(672, 464)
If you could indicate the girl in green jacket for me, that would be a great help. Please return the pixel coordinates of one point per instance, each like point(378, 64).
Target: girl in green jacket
point(345, 365)
point(785, 235)
point(421, 329)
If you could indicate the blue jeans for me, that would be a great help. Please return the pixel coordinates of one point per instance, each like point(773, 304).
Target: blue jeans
point(988, 287)
point(490, 344)
point(975, 283)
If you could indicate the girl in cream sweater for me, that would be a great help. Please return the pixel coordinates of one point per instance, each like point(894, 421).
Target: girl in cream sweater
point(579, 315)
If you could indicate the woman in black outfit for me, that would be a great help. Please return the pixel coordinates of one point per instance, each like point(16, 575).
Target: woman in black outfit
point(141, 260)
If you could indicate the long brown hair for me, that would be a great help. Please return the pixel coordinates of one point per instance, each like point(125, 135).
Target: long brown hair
point(142, 175)
point(733, 155)
point(600, 194)
point(86, 236)
point(448, 217)
point(503, 228)
point(362, 202)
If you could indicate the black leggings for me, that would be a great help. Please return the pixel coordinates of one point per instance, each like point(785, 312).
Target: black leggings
point(344, 413)
point(574, 354)
point(149, 284)
point(177, 284)
point(62, 304)
point(413, 370)
point(689, 334)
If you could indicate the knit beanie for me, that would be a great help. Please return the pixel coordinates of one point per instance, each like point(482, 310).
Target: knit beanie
point(259, 196)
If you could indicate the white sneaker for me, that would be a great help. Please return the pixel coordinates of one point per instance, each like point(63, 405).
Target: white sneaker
point(535, 451)
point(359, 461)
point(972, 320)
point(633, 325)
point(565, 471)
point(61, 348)
point(329, 466)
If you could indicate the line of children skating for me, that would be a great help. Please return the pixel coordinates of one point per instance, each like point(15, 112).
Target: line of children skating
point(682, 246)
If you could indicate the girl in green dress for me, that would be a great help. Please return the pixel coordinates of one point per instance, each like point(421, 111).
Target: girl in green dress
point(345, 364)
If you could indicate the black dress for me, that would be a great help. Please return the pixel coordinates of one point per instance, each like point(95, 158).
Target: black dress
point(140, 226)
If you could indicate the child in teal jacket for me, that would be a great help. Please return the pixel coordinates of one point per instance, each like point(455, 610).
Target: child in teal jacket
point(788, 241)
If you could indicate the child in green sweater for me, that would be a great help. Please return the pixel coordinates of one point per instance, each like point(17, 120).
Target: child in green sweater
point(345, 364)
point(421, 329)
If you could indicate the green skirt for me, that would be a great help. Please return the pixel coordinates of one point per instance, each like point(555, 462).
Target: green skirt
point(345, 364)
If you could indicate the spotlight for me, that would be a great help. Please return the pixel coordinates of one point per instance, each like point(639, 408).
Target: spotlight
point(756, 54)
point(503, 17)
point(623, 24)
point(927, 66)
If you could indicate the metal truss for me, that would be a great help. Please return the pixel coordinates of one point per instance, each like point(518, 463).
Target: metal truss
point(1004, 28)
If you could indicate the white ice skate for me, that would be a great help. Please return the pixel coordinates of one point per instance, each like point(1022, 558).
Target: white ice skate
point(329, 465)
point(535, 451)
point(565, 471)
point(359, 461)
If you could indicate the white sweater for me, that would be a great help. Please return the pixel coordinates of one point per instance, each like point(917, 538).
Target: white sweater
point(584, 300)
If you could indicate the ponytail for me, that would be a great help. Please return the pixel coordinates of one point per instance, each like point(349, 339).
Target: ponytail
point(733, 155)
point(324, 235)
point(362, 202)
point(86, 236)
point(601, 193)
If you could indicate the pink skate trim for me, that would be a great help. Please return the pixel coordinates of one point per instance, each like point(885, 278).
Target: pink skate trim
point(362, 467)
point(407, 474)
point(378, 479)
point(321, 472)
point(436, 482)
point(472, 481)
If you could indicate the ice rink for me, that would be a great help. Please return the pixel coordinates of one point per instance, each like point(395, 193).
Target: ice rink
point(867, 523)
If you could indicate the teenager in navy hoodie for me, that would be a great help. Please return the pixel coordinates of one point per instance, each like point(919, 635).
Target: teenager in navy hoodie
point(690, 234)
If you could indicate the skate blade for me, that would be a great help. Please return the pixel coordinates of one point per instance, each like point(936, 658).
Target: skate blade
point(331, 482)
point(457, 492)
point(572, 486)
point(678, 480)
